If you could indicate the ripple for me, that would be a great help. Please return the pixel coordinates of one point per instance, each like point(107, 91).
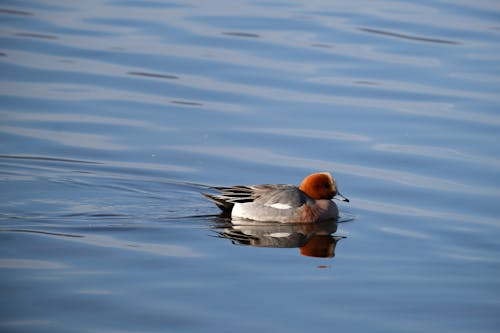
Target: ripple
point(45, 158)
point(81, 118)
point(405, 233)
point(26, 323)
point(404, 36)
point(241, 34)
point(187, 103)
point(305, 133)
point(29, 264)
point(424, 213)
point(67, 138)
point(154, 75)
point(99, 241)
point(436, 153)
point(15, 12)
point(36, 35)
point(24, 168)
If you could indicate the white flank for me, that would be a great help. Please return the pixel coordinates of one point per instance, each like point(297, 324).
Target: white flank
point(237, 210)
point(280, 205)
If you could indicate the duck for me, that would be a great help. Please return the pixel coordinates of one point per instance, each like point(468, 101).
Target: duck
point(310, 202)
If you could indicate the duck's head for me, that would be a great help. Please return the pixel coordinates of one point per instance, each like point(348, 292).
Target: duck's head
point(321, 185)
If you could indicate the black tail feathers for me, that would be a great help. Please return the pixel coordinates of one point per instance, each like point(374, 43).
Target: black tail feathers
point(223, 204)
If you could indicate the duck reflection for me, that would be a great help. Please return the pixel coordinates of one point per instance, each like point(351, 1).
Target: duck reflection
point(313, 240)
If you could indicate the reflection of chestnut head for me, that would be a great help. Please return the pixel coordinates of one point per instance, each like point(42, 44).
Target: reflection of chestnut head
point(320, 246)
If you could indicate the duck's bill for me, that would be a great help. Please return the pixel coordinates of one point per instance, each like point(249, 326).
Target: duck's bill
point(340, 197)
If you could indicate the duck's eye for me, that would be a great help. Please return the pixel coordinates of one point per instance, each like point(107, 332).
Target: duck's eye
point(327, 185)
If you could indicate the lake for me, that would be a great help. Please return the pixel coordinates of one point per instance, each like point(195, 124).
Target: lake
point(116, 115)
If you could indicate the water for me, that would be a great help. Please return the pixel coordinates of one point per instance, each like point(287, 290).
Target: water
point(115, 116)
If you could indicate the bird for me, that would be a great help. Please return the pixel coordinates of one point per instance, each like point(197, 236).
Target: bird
point(311, 202)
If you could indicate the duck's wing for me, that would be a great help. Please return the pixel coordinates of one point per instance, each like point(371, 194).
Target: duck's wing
point(280, 196)
point(277, 196)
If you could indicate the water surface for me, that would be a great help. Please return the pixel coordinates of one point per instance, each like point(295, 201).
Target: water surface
point(115, 115)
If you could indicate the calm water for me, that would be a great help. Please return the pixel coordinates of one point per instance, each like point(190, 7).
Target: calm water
point(114, 115)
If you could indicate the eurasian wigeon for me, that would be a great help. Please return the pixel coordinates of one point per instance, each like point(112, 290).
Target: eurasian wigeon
point(309, 203)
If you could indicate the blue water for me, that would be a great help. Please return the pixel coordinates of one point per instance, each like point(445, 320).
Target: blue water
point(115, 115)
